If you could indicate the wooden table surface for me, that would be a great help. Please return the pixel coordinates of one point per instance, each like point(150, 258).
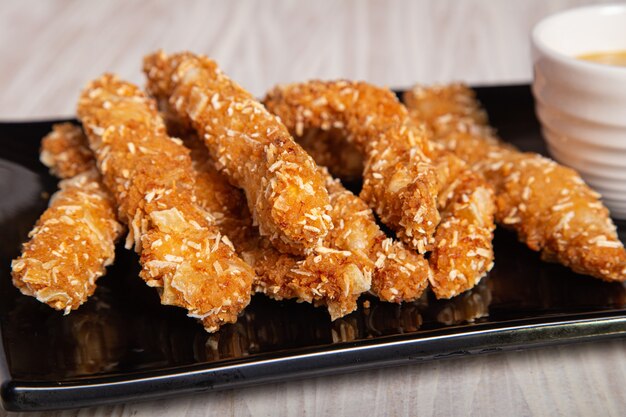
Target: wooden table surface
point(50, 49)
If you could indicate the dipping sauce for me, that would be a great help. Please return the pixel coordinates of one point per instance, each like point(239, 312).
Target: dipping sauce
point(615, 58)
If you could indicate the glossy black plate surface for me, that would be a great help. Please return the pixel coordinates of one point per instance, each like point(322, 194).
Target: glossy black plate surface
point(123, 345)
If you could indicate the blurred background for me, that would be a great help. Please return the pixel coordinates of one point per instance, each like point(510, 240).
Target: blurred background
point(50, 49)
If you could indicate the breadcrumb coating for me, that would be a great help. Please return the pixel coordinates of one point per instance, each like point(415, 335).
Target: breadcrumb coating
point(329, 276)
point(355, 248)
point(399, 181)
point(549, 206)
point(65, 151)
point(463, 251)
point(150, 174)
point(467, 223)
point(399, 274)
point(71, 245)
point(285, 193)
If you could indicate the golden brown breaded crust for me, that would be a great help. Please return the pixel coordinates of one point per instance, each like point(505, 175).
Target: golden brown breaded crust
point(285, 193)
point(399, 274)
point(70, 246)
point(334, 274)
point(399, 181)
point(354, 249)
point(467, 219)
point(548, 205)
point(65, 151)
point(449, 100)
point(151, 177)
point(463, 252)
point(327, 276)
point(467, 204)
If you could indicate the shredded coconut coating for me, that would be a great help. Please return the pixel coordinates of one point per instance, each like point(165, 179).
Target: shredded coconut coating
point(65, 151)
point(467, 221)
point(335, 273)
point(285, 193)
point(399, 181)
point(330, 275)
point(71, 245)
point(183, 254)
point(463, 252)
point(548, 205)
point(463, 249)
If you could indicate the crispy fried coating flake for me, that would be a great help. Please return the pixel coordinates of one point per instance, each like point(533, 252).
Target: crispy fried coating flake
point(71, 245)
point(335, 273)
point(285, 193)
point(549, 206)
point(183, 254)
point(399, 181)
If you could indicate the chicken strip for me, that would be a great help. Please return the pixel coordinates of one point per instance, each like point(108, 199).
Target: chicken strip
point(285, 193)
point(74, 240)
point(464, 199)
point(399, 274)
point(183, 254)
point(330, 275)
point(463, 252)
point(327, 276)
point(399, 181)
point(71, 245)
point(66, 151)
point(463, 249)
point(549, 206)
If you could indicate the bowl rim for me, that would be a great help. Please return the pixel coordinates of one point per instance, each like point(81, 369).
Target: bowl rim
point(569, 60)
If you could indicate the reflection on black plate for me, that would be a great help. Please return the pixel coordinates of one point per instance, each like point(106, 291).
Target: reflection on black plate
point(124, 345)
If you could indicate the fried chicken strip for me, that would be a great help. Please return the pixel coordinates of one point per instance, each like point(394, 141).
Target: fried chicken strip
point(463, 249)
point(66, 151)
point(330, 275)
point(70, 246)
point(464, 200)
point(399, 274)
point(548, 205)
point(399, 181)
point(463, 252)
point(325, 277)
point(285, 193)
point(74, 240)
point(182, 253)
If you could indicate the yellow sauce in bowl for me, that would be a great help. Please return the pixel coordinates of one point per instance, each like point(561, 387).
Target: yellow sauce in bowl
point(615, 58)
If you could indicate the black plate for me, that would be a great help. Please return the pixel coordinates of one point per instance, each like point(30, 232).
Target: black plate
point(123, 345)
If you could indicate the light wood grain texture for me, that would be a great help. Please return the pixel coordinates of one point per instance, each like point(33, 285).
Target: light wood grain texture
point(51, 48)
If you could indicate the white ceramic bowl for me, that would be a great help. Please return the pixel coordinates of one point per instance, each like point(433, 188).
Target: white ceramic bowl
point(582, 105)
